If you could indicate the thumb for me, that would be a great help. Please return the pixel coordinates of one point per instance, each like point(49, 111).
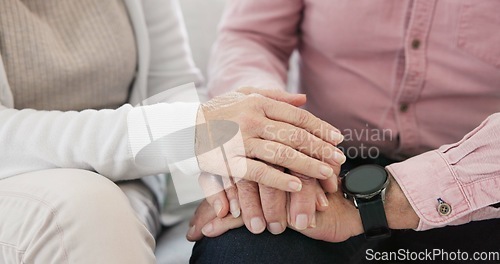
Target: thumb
point(278, 95)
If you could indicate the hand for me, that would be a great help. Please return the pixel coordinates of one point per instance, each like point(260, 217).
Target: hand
point(263, 206)
point(272, 131)
point(342, 220)
point(338, 223)
point(205, 218)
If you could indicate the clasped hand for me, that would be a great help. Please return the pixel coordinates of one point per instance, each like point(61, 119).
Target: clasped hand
point(291, 170)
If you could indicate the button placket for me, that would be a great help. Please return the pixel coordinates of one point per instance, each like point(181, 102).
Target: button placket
point(413, 79)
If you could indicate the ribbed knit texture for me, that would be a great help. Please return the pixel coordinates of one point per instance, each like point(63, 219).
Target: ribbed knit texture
point(67, 54)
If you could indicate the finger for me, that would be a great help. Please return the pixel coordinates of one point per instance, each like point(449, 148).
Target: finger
point(321, 199)
point(273, 203)
point(302, 140)
point(287, 157)
point(219, 226)
point(232, 196)
point(251, 210)
point(298, 117)
point(329, 185)
point(214, 193)
point(279, 95)
point(260, 172)
point(303, 204)
point(204, 214)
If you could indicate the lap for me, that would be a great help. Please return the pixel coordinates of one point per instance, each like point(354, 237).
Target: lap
point(241, 246)
point(62, 186)
point(63, 214)
point(70, 194)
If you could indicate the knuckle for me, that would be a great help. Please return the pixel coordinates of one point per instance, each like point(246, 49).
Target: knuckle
point(250, 148)
point(323, 150)
point(246, 187)
point(274, 211)
point(303, 200)
point(231, 192)
point(298, 137)
point(303, 117)
point(256, 100)
point(282, 154)
point(308, 164)
point(258, 173)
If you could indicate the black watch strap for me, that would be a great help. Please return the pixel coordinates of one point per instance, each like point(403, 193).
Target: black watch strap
point(373, 217)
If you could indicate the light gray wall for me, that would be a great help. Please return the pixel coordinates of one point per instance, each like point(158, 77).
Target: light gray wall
point(202, 18)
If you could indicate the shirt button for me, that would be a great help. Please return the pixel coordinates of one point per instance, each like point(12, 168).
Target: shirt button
point(444, 209)
point(403, 107)
point(415, 44)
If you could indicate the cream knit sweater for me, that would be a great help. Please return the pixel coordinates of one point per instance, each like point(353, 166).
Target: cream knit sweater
point(67, 55)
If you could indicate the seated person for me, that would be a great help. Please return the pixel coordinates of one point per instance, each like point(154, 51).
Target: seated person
point(412, 85)
point(71, 72)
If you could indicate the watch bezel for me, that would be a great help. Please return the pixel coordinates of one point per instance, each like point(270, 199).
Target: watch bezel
point(349, 194)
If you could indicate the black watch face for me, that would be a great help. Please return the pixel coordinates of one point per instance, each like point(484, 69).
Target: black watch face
point(366, 179)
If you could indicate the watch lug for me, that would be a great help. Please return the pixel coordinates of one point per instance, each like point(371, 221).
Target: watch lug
point(355, 202)
point(382, 195)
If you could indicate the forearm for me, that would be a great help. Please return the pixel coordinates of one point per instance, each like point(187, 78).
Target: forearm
point(105, 141)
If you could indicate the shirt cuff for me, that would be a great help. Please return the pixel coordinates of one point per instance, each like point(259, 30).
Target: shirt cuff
point(424, 180)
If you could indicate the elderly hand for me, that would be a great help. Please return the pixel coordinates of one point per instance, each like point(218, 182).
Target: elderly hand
point(272, 131)
point(337, 223)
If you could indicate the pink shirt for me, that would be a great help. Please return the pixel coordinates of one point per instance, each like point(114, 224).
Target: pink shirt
point(401, 77)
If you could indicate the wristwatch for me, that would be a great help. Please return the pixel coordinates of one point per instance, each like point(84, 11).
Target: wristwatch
point(365, 186)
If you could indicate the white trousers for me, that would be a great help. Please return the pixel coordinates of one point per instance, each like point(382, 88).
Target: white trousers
point(71, 216)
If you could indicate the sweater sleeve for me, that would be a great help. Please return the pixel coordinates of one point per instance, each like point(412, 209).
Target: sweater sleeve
point(92, 140)
point(465, 175)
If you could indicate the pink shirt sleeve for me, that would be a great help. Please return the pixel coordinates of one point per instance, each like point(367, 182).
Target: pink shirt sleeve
point(466, 175)
point(254, 44)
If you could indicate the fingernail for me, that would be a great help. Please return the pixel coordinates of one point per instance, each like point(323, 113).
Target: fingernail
point(313, 221)
point(295, 186)
point(191, 231)
point(217, 207)
point(234, 206)
point(207, 229)
point(337, 137)
point(326, 171)
point(336, 186)
point(257, 224)
point(322, 200)
point(301, 222)
point(275, 228)
point(339, 157)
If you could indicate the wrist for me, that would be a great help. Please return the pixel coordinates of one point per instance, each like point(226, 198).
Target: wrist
point(399, 213)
